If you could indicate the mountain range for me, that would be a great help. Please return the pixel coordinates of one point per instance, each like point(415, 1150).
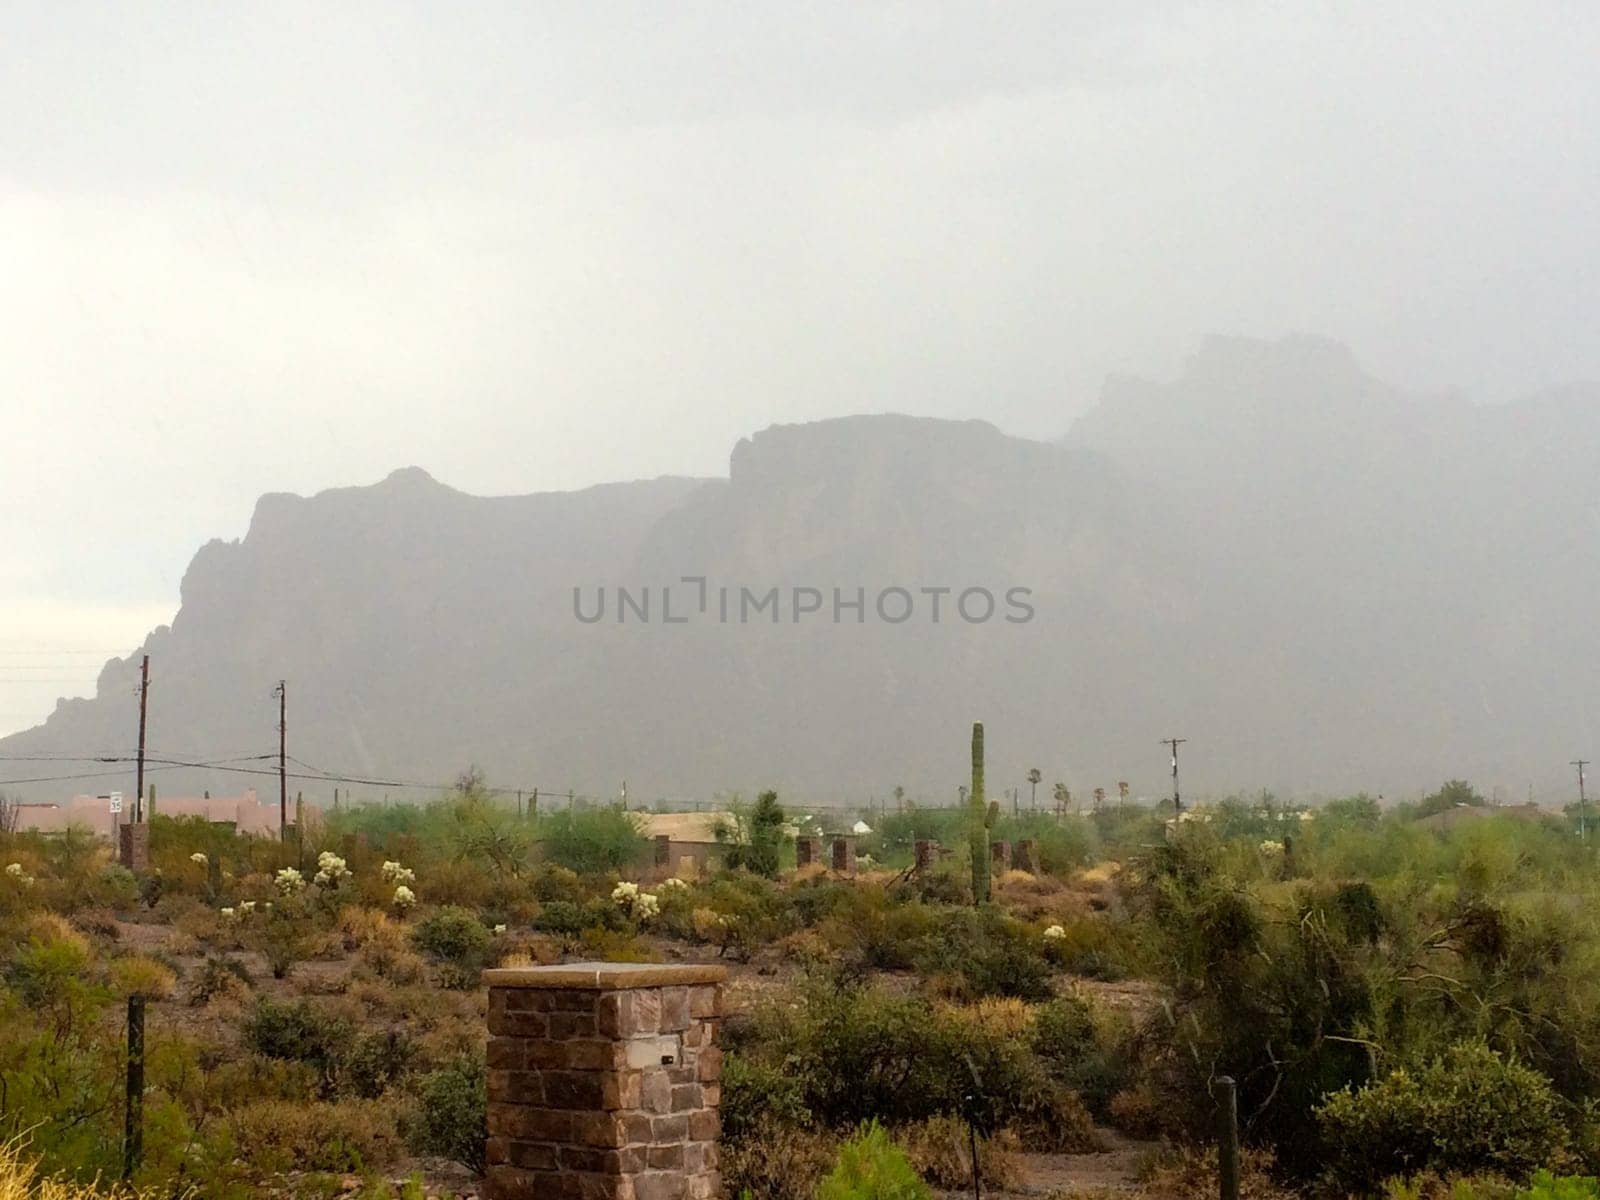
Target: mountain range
point(1324, 584)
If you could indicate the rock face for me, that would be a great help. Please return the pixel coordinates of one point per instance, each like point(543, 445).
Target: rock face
point(1322, 583)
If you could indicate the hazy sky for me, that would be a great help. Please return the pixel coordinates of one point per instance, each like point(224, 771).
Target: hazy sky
point(286, 246)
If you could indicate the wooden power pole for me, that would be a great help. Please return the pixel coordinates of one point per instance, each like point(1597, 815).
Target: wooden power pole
point(144, 697)
point(1583, 799)
point(1175, 742)
point(282, 692)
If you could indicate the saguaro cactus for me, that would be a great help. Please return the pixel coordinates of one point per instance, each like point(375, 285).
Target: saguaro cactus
point(981, 817)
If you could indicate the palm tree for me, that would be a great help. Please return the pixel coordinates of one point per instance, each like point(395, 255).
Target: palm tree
point(1062, 797)
point(1033, 786)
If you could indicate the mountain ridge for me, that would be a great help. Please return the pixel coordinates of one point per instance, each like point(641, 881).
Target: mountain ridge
point(1322, 580)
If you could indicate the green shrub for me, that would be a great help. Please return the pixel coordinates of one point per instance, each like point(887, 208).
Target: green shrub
point(350, 1135)
point(871, 1167)
point(551, 882)
point(372, 1063)
point(560, 916)
point(861, 1054)
point(297, 1032)
point(991, 953)
point(875, 929)
point(592, 841)
point(454, 935)
point(1073, 1050)
point(754, 836)
point(1545, 1186)
point(754, 1095)
point(218, 976)
point(454, 1118)
point(1468, 1111)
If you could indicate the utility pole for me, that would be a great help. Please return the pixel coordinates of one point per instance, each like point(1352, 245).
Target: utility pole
point(144, 697)
point(1583, 800)
point(282, 693)
point(1175, 742)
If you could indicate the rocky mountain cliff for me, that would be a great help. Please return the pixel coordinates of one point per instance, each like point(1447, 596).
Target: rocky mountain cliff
point(1324, 584)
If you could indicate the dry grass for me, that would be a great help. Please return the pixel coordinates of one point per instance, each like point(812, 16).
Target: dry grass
point(137, 974)
point(20, 1181)
point(941, 1152)
point(1188, 1173)
point(48, 929)
point(996, 1014)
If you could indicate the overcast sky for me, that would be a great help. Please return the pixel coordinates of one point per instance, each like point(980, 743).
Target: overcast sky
point(285, 246)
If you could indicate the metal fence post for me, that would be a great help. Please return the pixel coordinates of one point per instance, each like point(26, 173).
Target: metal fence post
point(133, 1132)
point(1228, 1147)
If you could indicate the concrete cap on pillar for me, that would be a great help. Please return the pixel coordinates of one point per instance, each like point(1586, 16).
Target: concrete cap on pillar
point(605, 976)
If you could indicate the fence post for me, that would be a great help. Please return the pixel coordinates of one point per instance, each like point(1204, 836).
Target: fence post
point(1228, 1149)
point(133, 1131)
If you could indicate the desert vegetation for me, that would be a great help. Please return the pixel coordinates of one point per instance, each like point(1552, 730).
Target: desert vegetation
point(1408, 1008)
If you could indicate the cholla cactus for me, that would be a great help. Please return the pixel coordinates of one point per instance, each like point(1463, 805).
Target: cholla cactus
point(228, 914)
point(330, 869)
point(247, 907)
point(394, 873)
point(498, 930)
point(198, 859)
point(15, 871)
point(289, 882)
point(404, 897)
point(1055, 933)
point(1271, 847)
point(674, 884)
point(642, 906)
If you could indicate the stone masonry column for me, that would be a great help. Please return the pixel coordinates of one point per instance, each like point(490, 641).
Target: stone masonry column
point(133, 847)
point(807, 850)
point(925, 851)
point(604, 1082)
point(844, 855)
point(663, 845)
point(1025, 856)
point(1000, 856)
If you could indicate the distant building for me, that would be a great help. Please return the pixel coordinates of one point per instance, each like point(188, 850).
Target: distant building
point(246, 813)
point(689, 835)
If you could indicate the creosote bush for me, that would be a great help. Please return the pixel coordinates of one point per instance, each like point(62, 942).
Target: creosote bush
point(1471, 1110)
point(452, 1121)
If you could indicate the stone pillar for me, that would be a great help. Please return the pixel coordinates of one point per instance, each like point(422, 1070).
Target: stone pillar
point(604, 1082)
point(1026, 856)
point(1000, 856)
point(925, 851)
point(844, 855)
point(807, 850)
point(663, 850)
point(133, 847)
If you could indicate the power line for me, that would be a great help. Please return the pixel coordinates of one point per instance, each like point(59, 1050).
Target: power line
point(165, 763)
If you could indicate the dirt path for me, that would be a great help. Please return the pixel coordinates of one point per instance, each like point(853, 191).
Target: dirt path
point(1115, 1169)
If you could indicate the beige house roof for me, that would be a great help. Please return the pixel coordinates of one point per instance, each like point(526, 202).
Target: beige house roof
point(685, 827)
